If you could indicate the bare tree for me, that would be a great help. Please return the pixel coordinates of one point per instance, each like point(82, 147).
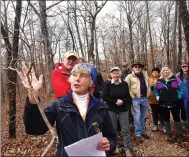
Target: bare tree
point(12, 57)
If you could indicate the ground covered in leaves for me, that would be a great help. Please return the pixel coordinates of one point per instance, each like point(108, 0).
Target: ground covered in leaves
point(27, 145)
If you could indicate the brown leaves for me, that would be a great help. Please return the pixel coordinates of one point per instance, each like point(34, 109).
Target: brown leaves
point(26, 145)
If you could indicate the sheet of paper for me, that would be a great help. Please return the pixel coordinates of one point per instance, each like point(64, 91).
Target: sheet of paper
point(86, 147)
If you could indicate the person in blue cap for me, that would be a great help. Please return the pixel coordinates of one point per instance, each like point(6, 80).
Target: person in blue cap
point(74, 113)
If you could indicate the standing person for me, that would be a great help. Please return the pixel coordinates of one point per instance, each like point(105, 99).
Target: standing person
point(138, 86)
point(116, 95)
point(61, 73)
point(154, 104)
point(74, 113)
point(169, 92)
point(183, 75)
point(126, 71)
point(99, 84)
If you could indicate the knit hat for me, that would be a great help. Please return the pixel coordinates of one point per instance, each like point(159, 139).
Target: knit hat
point(184, 63)
point(156, 69)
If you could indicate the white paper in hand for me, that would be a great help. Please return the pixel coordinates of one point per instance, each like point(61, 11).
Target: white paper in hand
point(86, 147)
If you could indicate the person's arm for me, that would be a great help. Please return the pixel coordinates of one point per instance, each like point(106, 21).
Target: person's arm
point(182, 90)
point(60, 84)
point(33, 121)
point(128, 80)
point(105, 94)
point(109, 132)
point(127, 99)
point(156, 91)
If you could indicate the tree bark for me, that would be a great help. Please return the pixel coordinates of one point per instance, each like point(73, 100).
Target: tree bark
point(12, 57)
point(46, 43)
point(185, 21)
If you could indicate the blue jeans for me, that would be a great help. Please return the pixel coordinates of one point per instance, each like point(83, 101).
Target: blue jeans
point(140, 107)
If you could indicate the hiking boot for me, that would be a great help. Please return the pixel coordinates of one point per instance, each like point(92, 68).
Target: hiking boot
point(139, 140)
point(170, 137)
point(179, 138)
point(184, 125)
point(163, 129)
point(155, 128)
point(128, 153)
point(145, 136)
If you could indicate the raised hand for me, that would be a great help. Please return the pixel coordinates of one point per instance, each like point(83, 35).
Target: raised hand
point(35, 83)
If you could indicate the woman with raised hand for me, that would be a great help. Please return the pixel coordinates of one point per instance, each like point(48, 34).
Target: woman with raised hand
point(74, 113)
point(116, 95)
point(169, 92)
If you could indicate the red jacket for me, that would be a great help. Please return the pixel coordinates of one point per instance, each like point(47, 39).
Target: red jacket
point(59, 80)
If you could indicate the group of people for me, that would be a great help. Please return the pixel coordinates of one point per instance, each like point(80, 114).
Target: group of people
point(82, 97)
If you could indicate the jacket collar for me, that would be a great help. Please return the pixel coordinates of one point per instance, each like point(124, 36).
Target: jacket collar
point(92, 102)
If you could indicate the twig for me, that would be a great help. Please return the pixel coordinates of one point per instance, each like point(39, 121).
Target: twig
point(51, 129)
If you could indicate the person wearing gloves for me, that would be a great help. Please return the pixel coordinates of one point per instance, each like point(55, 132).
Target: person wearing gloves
point(169, 91)
point(116, 95)
point(73, 113)
point(183, 75)
point(138, 85)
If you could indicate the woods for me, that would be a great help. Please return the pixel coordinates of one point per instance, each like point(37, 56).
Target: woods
point(156, 33)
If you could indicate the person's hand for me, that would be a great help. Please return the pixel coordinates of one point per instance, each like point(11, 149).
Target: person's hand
point(103, 145)
point(35, 83)
point(119, 102)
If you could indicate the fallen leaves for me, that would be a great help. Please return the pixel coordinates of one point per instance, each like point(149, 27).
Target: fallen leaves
point(27, 145)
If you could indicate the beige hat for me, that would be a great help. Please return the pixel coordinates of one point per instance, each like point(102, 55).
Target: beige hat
point(69, 54)
point(115, 68)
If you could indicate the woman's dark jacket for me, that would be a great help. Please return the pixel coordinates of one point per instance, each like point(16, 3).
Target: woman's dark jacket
point(170, 92)
point(112, 92)
point(69, 123)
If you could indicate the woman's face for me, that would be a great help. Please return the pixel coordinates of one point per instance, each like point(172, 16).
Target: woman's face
point(80, 83)
point(155, 74)
point(185, 68)
point(166, 72)
point(116, 75)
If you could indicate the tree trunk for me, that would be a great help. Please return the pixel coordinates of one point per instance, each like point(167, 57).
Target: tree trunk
point(12, 57)
point(185, 21)
point(91, 46)
point(174, 55)
point(46, 43)
point(179, 40)
point(151, 54)
point(77, 29)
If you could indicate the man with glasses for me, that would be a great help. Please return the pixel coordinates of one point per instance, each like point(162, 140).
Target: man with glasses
point(61, 73)
point(138, 86)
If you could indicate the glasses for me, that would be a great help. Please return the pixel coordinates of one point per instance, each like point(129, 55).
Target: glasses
point(137, 66)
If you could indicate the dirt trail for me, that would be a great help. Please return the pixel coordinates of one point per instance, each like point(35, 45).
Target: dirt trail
point(26, 145)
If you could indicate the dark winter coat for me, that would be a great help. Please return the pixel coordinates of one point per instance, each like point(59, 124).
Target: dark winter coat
point(69, 123)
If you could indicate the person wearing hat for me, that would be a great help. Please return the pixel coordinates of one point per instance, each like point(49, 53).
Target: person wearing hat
point(184, 76)
point(126, 71)
point(73, 114)
point(61, 73)
point(116, 95)
point(154, 104)
point(138, 86)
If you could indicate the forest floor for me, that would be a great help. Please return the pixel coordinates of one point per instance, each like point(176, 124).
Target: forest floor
point(27, 145)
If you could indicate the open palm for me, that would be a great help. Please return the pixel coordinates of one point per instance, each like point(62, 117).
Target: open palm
point(35, 83)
